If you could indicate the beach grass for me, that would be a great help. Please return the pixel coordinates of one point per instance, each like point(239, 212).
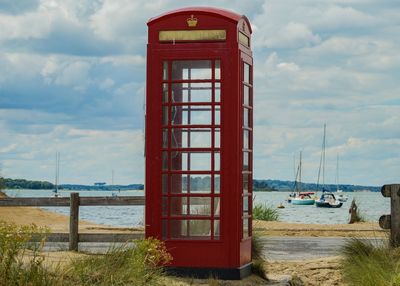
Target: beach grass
point(22, 263)
point(265, 213)
point(369, 263)
point(122, 265)
point(15, 246)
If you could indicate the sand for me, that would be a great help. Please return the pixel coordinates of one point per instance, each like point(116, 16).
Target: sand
point(277, 228)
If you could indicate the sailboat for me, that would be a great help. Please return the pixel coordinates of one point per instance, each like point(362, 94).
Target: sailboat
point(327, 199)
point(55, 190)
point(298, 197)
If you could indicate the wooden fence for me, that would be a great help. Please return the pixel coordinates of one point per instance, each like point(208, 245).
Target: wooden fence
point(392, 221)
point(74, 202)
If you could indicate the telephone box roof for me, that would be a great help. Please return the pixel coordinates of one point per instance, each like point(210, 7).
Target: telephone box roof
point(204, 10)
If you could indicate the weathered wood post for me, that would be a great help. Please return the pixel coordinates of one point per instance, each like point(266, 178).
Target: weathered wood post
point(392, 221)
point(74, 222)
point(354, 217)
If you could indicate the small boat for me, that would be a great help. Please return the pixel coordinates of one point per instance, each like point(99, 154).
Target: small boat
point(280, 206)
point(304, 198)
point(341, 198)
point(298, 197)
point(328, 200)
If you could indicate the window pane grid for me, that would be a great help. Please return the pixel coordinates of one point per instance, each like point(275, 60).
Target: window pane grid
point(191, 138)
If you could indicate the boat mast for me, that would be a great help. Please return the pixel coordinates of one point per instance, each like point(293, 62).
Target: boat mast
point(57, 172)
point(322, 161)
point(300, 172)
point(337, 172)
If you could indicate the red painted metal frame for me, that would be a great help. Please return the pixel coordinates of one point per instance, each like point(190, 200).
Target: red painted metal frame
point(230, 250)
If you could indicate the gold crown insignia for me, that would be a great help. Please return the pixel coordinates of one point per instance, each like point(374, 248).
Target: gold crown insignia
point(192, 22)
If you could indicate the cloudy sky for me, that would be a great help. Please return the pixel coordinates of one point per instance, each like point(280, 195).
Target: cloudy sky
point(72, 77)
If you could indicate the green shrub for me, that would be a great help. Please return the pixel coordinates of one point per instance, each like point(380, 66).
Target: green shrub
point(368, 264)
point(264, 212)
point(14, 245)
point(138, 265)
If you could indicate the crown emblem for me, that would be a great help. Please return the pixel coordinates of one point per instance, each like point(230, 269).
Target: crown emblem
point(192, 22)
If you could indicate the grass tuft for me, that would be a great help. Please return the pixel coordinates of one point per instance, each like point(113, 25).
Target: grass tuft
point(14, 245)
point(258, 268)
point(140, 265)
point(266, 213)
point(368, 264)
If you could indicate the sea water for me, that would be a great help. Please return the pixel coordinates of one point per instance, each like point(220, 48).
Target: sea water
point(371, 205)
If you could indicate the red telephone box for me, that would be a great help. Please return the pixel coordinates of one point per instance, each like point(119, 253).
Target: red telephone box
point(199, 131)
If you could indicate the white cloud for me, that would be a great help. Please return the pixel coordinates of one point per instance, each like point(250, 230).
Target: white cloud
point(292, 35)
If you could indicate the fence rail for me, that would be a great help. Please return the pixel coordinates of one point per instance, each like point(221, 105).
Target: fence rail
point(74, 202)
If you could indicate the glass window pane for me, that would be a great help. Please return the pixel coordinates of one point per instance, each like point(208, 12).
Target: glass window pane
point(245, 205)
point(165, 138)
point(179, 206)
point(193, 161)
point(216, 161)
point(165, 70)
point(217, 138)
point(217, 206)
point(165, 161)
point(216, 229)
point(189, 70)
point(164, 183)
point(190, 229)
point(245, 161)
point(245, 117)
point(165, 93)
point(200, 206)
point(217, 184)
point(195, 184)
point(191, 138)
point(192, 92)
point(217, 94)
point(200, 228)
point(246, 139)
point(179, 184)
point(217, 69)
point(246, 75)
point(191, 115)
point(200, 184)
point(245, 183)
point(217, 116)
point(246, 95)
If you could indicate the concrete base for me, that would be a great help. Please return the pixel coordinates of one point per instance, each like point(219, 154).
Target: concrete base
point(204, 273)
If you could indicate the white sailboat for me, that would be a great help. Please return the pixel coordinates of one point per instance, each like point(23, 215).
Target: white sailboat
point(298, 197)
point(55, 190)
point(327, 199)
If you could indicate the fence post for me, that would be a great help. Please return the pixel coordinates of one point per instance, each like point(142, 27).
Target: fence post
point(392, 221)
point(74, 222)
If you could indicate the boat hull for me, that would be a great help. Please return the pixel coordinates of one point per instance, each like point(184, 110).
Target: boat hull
point(303, 201)
point(320, 204)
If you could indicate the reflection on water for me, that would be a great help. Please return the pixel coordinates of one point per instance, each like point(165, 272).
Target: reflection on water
point(371, 205)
